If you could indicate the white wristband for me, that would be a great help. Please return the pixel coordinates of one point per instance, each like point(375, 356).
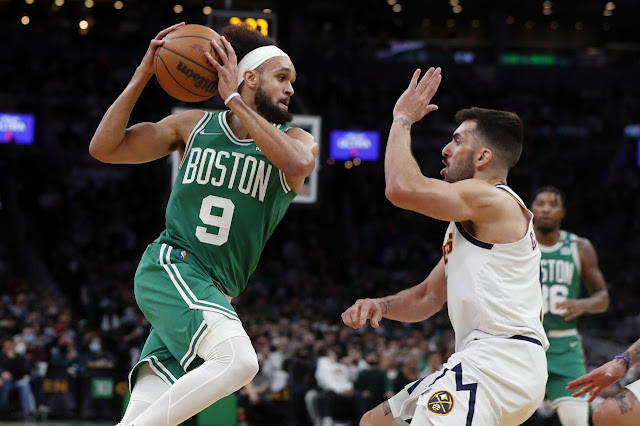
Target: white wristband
point(231, 96)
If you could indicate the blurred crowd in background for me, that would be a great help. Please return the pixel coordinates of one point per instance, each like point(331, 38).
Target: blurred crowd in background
point(72, 230)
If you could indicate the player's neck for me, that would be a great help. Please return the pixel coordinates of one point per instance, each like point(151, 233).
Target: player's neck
point(494, 177)
point(548, 239)
point(237, 127)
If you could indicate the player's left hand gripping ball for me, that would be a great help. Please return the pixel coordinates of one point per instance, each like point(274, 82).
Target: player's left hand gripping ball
point(228, 70)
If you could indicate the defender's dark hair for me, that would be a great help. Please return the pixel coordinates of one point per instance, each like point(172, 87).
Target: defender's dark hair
point(501, 130)
point(243, 39)
point(553, 190)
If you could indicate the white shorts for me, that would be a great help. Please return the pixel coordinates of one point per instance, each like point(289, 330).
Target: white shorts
point(635, 388)
point(493, 381)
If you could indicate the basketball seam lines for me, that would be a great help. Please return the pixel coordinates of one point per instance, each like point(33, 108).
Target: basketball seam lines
point(178, 83)
point(188, 59)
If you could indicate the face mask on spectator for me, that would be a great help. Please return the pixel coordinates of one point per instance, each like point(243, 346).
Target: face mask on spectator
point(29, 338)
point(21, 348)
point(95, 347)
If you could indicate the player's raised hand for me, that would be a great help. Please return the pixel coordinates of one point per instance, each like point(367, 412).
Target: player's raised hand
point(361, 311)
point(228, 70)
point(414, 103)
point(599, 379)
point(146, 66)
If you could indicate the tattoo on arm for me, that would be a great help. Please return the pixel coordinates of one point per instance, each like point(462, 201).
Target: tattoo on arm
point(625, 400)
point(633, 353)
point(386, 305)
point(386, 408)
point(404, 121)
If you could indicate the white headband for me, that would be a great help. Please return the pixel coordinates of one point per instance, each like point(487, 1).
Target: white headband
point(257, 57)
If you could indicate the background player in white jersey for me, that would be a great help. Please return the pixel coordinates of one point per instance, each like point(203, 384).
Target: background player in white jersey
point(216, 224)
point(622, 409)
point(488, 275)
point(567, 262)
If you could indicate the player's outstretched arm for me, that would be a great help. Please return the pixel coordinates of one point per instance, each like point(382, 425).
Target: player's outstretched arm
point(412, 305)
point(407, 187)
point(293, 152)
point(598, 300)
point(605, 375)
point(113, 142)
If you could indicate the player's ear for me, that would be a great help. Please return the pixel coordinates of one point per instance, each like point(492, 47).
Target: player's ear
point(484, 156)
point(251, 79)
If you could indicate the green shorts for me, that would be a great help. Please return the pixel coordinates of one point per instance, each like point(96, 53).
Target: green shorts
point(565, 362)
point(172, 290)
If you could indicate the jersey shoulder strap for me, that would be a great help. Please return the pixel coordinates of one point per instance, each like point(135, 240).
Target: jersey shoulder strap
point(511, 192)
point(571, 240)
point(201, 125)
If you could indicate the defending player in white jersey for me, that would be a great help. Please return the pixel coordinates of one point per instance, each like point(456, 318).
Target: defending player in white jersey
point(489, 273)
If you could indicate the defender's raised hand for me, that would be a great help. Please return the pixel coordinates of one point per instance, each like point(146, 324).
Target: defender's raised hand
point(414, 103)
point(147, 66)
point(228, 70)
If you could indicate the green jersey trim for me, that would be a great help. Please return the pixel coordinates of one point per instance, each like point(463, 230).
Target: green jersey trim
point(202, 124)
point(222, 118)
point(187, 295)
point(575, 253)
point(283, 182)
point(188, 358)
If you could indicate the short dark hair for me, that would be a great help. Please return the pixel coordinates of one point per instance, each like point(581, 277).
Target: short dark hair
point(243, 39)
point(502, 130)
point(553, 190)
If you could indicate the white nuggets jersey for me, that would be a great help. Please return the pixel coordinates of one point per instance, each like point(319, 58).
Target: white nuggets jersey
point(493, 290)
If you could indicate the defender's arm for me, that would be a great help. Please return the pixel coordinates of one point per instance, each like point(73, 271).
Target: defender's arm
point(411, 305)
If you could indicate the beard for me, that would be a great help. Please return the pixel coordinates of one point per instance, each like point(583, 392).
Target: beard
point(545, 229)
point(464, 170)
point(270, 111)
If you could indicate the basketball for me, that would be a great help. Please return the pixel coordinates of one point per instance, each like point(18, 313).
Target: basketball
point(182, 68)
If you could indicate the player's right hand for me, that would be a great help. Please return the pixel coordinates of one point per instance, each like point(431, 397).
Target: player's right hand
point(147, 65)
point(356, 316)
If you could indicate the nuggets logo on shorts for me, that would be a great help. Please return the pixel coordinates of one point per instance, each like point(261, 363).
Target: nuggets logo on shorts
point(440, 403)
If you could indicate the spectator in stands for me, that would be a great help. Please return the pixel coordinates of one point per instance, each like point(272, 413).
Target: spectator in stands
point(409, 371)
point(15, 375)
point(98, 357)
point(371, 385)
point(336, 389)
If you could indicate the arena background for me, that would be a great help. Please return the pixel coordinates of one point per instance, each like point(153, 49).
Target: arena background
point(72, 229)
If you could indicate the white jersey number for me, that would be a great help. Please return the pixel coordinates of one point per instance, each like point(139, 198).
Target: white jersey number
point(553, 295)
point(222, 221)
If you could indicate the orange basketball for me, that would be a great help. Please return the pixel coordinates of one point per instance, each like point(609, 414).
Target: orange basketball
point(181, 67)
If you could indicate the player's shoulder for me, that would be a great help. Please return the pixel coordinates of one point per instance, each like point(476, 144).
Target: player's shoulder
point(585, 248)
point(302, 135)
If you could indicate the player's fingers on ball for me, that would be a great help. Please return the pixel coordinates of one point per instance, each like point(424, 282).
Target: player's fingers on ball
point(221, 52)
point(230, 51)
point(212, 60)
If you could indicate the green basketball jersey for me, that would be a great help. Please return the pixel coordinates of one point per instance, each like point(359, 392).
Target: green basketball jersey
point(226, 201)
point(560, 277)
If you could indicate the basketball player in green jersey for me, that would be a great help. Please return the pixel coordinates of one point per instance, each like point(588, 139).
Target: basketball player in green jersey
point(239, 172)
point(567, 261)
